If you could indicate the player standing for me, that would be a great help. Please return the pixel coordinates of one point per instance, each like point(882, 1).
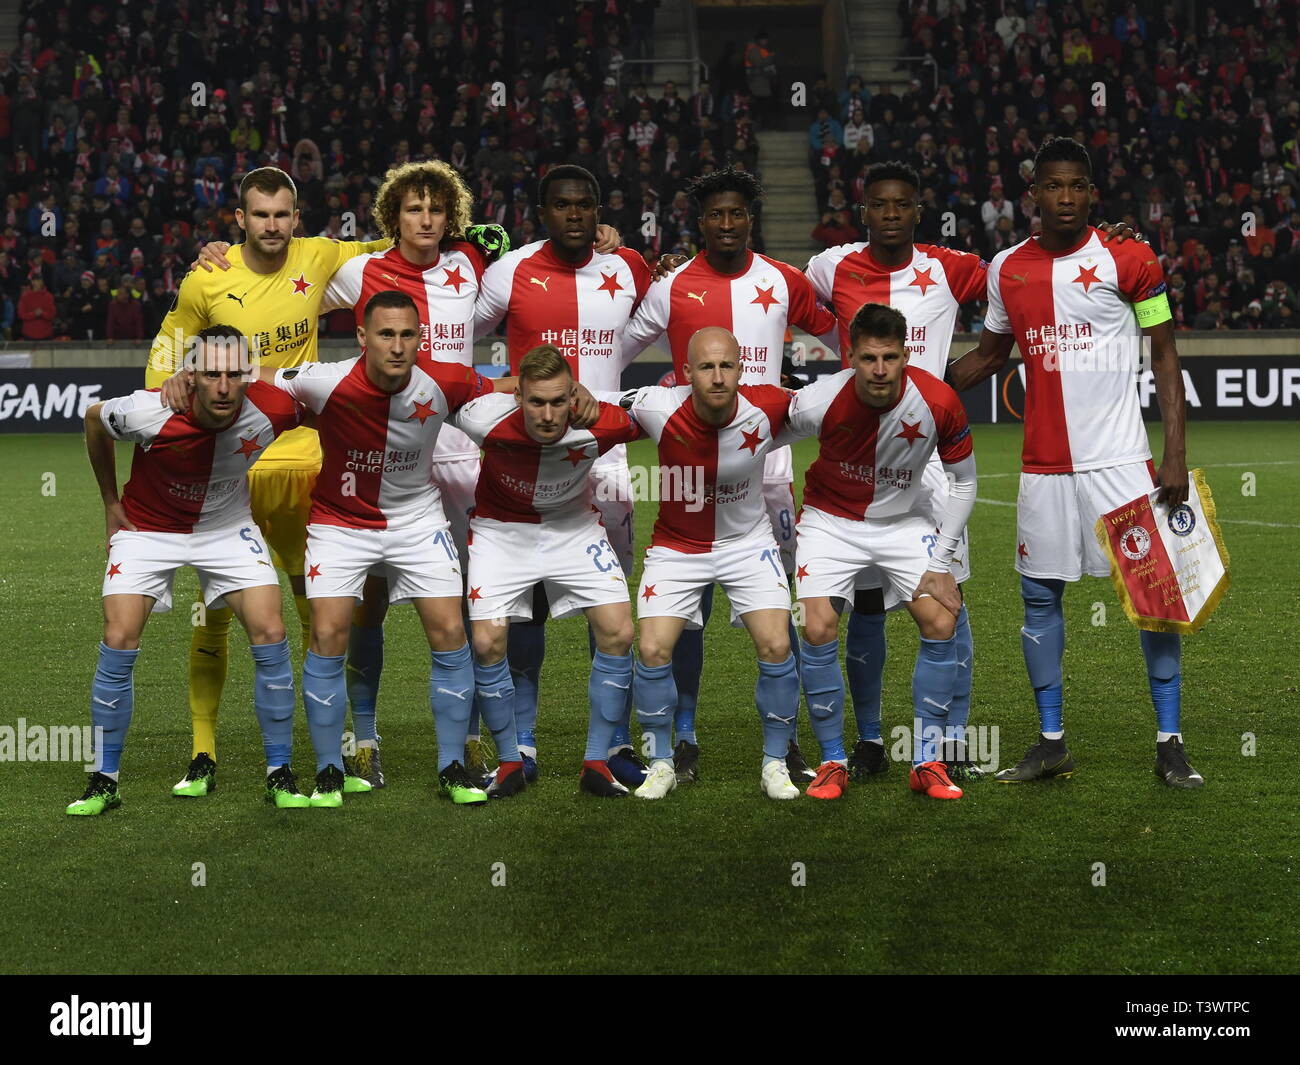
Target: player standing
point(534, 522)
point(756, 298)
point(1079, 308)
point(928, 284)
point(272, 293)
point(864, 508)
point(186, 504)
point(714, 436)
point(374, 505)
point(563, 292)
point(425, 208)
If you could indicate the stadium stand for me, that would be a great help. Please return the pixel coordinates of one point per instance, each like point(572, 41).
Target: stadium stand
point(133, 125)
point(1193, 128)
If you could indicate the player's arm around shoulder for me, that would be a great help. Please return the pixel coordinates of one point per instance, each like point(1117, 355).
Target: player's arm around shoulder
point(188, 314)
point(807, 409)
point(477, 418)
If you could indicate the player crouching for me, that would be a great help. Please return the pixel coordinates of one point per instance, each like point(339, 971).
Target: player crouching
point(186, 504)
point(714, 436)
point(533, 522)
point(877, 424)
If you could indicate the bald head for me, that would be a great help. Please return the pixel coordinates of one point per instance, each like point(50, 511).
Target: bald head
point(713, 372)
point(711, 342)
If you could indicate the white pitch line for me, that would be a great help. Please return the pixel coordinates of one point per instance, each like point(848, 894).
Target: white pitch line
point(1202, 465)
point(994, 502)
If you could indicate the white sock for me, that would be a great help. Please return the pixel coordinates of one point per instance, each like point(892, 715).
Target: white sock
point(368, 743)
point(1162, 736)
point(1053, 735)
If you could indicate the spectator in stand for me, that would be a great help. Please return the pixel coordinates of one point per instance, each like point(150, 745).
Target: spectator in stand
point(834, 228)
point(36, 311)
point(995, 209)
point(125, 319)
point(86, 308)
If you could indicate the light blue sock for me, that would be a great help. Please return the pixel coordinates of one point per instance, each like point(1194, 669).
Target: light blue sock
point(496, 696)
point(623, 730)
point(1163, 654)
point(864, 662)
point(273, 700)
point(607, 695)
point(324, 694)
point(932, 684)
point(525, 649)
point(451, 694)
point(365, 664)
point(655, 695)
point(112, 700)
point(959, 711)
point(688, 668)
point(1043, 641)
point(777, 697)
point(823, 688)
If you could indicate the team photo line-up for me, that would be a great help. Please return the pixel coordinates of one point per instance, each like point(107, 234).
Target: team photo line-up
point(402, 474)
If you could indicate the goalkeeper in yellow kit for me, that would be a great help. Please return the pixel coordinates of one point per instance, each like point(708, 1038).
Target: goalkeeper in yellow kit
point(272, 294)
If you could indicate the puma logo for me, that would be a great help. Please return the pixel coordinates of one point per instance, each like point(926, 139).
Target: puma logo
point(317, 699)
point(1022, 278)
point(1036, 639)
point(828, 707)
point(237, 299)
point(281, 687)
point(861, 279)
point(491, 695)
point(616, 684)
point(456, 694)
point(539, 281)
point(777, 717)
point(105, 702)
point(661, 712)
point(941, 707)
point(206, 651)
point(697, 296)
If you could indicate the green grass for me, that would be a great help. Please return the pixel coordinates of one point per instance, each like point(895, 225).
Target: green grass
point(399, 882)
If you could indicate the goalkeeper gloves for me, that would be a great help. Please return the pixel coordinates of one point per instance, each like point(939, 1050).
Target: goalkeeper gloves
point(491, 239)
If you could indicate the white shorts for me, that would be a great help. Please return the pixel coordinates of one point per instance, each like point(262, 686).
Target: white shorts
point(934, 490)
point(612, 496)
point(1056, 512)
point(573, 559)
point(673, 583)
point(417, 559)
point(227, 560)
point(779, 499)
point(456, 479)
point(833, 553)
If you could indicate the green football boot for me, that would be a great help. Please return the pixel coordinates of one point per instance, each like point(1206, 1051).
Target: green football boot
point(329, 788)
point(366, 765)
point(459, 786)
point(199, 780)
point(101, 794)
point(282, 789)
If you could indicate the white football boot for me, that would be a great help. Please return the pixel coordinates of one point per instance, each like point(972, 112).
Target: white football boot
point(776, 781)
point(659, 781)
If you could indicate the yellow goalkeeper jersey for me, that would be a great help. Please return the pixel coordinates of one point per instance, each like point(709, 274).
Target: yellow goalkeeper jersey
point(278, 313)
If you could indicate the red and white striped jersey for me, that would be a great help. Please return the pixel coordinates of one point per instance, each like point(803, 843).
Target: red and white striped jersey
point(582, 310)
point(756, 305)
point(185, 478)
point(870, 461)
point(1072, 316)
point(377, 447)
point(525, 480)
point(711, 477)
point(444, 295)
point(928, 290)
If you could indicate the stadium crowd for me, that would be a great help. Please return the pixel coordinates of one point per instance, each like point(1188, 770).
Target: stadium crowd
point(125, 131)
point(1193, 130)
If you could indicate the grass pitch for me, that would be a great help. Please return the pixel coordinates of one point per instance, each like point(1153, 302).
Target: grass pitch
point(1006, 880)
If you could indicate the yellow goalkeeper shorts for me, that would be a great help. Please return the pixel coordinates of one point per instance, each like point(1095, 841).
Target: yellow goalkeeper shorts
point(281, 502)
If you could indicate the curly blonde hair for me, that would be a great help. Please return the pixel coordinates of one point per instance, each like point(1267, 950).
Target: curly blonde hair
point(431, 178)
